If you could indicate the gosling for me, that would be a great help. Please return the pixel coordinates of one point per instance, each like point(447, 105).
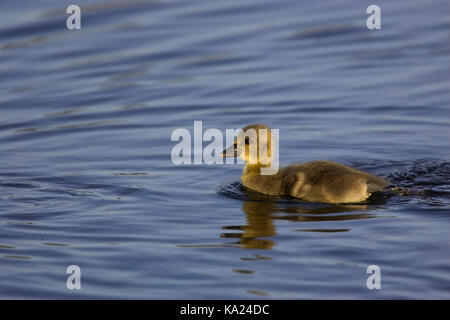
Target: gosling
point(315, 181)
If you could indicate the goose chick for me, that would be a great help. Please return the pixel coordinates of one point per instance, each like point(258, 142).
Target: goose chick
point(316, 181)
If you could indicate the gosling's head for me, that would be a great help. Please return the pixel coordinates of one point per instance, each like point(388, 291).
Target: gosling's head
point(252, 144)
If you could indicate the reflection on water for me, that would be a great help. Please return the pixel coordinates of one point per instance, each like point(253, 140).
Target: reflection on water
point(259, 226)
point(261, 216)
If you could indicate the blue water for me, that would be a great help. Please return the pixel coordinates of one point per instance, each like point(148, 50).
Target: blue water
point(86, 176)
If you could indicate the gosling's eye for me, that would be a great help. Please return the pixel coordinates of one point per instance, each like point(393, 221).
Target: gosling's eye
point(247, 140)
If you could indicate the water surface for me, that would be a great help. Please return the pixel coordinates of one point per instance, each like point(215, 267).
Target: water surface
point(86, 176)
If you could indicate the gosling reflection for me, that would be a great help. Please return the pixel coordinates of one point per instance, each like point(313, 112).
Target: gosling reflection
point(259, 226)
point(261, 214)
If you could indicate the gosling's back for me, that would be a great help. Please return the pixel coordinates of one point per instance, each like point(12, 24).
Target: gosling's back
point(318, 181)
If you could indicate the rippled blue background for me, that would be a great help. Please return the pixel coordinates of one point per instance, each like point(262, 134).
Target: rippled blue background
point(86, 176)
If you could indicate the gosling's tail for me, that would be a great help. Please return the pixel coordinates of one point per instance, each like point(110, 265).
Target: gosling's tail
point(406, 191)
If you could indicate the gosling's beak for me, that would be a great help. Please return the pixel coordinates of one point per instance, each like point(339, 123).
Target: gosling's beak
point(230, 152)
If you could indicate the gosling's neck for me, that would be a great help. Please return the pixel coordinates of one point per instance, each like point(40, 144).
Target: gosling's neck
point(253, 169)
point(267, 184)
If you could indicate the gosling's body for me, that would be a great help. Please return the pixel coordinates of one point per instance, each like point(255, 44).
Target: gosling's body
point(316, 181)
